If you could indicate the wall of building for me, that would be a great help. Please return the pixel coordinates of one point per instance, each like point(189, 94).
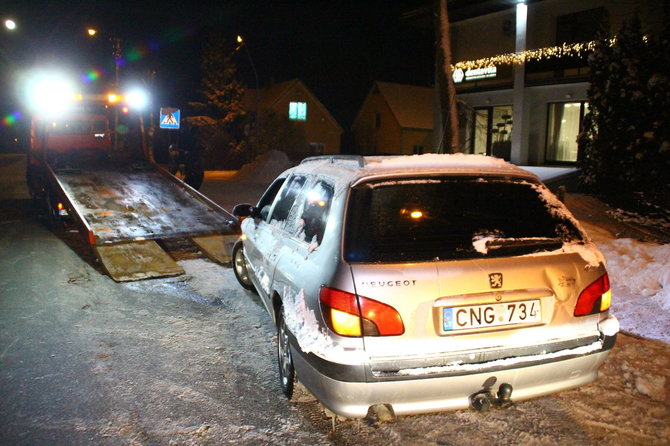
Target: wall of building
point(371, 139)
point(537, 103)
point(412, 138)
point(542, 16)
point(483, 36)
point(318, 127)
point(494, 34)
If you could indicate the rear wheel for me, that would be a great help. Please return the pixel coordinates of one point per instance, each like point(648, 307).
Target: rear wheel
point(284, 357)
point(240, 267)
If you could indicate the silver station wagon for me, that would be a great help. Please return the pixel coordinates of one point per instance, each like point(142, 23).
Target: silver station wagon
point(424, 283)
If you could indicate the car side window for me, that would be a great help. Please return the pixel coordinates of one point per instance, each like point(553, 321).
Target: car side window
point(308, 220)
point(286, 198)
point(265, 203)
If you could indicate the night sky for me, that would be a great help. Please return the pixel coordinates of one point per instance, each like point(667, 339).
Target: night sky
point(337, 48)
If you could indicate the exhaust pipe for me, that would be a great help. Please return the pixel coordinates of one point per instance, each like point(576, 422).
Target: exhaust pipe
point(481, 401)
point(504, 394)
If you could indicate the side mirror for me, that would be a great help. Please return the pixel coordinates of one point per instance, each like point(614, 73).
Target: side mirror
point(245, 210)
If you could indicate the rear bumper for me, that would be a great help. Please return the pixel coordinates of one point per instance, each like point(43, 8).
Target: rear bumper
point(412, 391)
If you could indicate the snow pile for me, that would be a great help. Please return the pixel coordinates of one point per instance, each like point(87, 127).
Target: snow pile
point(659, 220)
point(640, 276)
point(479, 242)
point(264, 168)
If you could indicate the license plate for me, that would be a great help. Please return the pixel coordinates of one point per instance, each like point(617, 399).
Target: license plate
point(491, 315)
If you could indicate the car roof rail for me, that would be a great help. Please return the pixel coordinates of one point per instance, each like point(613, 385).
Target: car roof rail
point(332, 158)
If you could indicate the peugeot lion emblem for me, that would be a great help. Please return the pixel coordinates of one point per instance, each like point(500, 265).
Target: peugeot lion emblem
point(496, 280)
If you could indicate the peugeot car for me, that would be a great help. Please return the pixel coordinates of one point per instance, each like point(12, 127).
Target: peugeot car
point(424, 283)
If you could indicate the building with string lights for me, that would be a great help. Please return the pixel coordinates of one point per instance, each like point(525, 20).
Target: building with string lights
point(521, 72)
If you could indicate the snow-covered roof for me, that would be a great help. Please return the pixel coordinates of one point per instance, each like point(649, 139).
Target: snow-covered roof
point(411, 105)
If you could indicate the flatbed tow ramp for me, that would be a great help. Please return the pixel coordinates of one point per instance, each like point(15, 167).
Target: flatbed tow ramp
point(125, 208)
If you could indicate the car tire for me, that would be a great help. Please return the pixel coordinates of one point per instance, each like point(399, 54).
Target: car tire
point(240, 267)
point(284, 357)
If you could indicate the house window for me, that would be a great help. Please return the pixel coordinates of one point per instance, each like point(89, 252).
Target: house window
point(481, 138)
point(297, 111)
point(564, 122)
point(378, 120)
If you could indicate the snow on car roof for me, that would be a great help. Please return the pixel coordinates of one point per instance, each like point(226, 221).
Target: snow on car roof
point(354, 167)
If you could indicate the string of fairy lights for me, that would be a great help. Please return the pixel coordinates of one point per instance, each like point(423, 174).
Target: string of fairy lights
point(554, 52)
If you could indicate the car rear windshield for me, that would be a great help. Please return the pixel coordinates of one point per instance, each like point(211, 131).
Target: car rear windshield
point(429, 219)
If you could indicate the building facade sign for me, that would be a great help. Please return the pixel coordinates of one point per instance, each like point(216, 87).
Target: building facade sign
point(473, 74)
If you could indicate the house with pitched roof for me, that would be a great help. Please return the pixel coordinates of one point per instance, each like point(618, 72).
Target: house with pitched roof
point(293, 100)
point(395, 119)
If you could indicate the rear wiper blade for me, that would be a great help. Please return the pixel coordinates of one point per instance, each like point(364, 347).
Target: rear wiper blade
point(523, 242)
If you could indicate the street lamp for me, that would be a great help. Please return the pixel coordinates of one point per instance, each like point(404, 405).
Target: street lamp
point(242, 43)
point(138, 99)
point(10, 24)
point(116, 52)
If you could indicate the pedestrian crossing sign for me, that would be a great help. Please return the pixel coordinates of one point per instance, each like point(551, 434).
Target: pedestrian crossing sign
point(169, 118)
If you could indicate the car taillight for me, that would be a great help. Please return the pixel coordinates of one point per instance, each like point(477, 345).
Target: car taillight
point(595, 298)
point(350, 315)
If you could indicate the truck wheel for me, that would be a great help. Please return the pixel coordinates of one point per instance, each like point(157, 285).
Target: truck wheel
point(49, 209)
point(284, 357)
point(31, 180)
point(194, 176)
point(240, 267)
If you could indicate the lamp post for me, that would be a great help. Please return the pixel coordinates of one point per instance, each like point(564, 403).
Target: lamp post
point(241, 43)
point(116, 52)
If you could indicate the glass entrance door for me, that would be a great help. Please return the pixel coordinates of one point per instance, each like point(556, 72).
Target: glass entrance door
point(490, 131)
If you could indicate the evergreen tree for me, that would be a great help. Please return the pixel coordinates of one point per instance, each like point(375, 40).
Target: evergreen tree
point(624, 144)
point(220, 116)
point(657, 138)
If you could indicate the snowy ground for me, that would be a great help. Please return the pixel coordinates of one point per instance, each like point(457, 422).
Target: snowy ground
point(191, 359)
point(639, 272)
point(640, 277)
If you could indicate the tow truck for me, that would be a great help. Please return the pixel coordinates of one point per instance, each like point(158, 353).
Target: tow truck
point(114, 193)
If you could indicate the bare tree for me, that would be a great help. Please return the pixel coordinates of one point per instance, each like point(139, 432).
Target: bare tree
point(448, 131)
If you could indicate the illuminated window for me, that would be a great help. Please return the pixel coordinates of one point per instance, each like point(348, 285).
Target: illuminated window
point(565, 120)
point(297, 111)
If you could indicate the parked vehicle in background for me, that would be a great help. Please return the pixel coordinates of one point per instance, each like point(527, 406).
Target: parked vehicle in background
point(115, 194)
point(424, 283)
